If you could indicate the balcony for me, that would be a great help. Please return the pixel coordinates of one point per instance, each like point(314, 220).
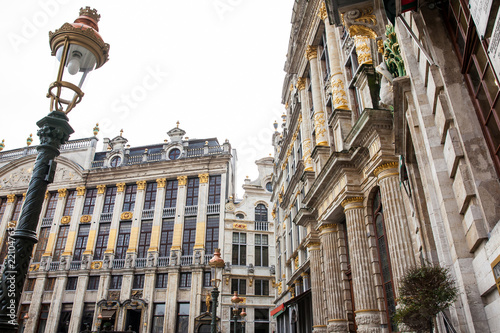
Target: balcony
point(141, 262)
point(207, 258)
point(106, 217)
point(148, 214)
point(186, 260)
point(118, 263)
point(75, 265)
point(163, 261)
point(47, 221)
point(261, 226)
point(191, 211)
point(169, 212)
point(213, 209)
point(54, 266)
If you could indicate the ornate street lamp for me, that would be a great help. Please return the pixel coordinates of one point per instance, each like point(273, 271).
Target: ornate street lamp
point(216, 263)
point(79, 49)
point(236, 300)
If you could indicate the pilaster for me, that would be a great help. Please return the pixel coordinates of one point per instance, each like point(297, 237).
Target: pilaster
point(77, 312)
point(201, 218)
point(319, 311)
point(56, 222)
point(36, 303)
point(56, 303)
point(94, 226)
point(179, 216)
point(158, 216)
point(136, 217)
point(171, 301)
point(74, 223)
point(306, 136)
point(115, 222)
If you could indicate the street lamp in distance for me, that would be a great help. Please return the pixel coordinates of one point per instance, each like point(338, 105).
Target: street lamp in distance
point(216, 263)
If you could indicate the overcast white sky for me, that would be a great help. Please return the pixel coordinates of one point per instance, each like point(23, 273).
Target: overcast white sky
point(214, 65)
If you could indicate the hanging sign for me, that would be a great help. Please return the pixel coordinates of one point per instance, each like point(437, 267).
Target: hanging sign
point(480, 11)
point(494, 47)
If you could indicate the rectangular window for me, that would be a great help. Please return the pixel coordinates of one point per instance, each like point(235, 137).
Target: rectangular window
point(71, 283)
point(138, 281)
point(212, 234)
point(42, 320)
point(189, 236)
point(239, 256)
point(51, 205)
point(70, 203)
point(167, 234)
point(261, 250)
point(30, 285)
point(102, 240)
point(158, 316)
point(109, 200)
point(42, 244)
point(87, 316)
point(93, 283)
point(50, 283)
point(150, 196)
point(89, 203)
point(116, 282)
point(81, 241)
point(182, 318)
point(161, 280)
point(3, 205)
point(123, 240)
point(61, 242)
point(262, 287)
point(22, 313)
point(214, 190)
point(239, 285)
point(171, 193)
point(185, 281)
point(261, 318)
point(64, 317)
point(192, 191)
point(207, 279)
point(129, 198)
point(144, 239)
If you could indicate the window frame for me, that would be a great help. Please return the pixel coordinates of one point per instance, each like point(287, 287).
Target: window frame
point(239, 257)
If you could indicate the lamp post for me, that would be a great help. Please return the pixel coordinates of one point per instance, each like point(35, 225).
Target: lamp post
point(236, 300)
point(79, 49)
point(216, 263)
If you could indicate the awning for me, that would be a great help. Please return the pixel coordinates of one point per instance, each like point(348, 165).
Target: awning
point(107, 314)
point(278, 310)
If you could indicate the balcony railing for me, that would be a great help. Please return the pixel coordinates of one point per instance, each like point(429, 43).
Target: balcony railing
point(261, 226)
point(154, 157)
point(148, 214)
point(141, 262)
point(169, 212)
point(135, 159)
point(186, 260)
point(163, 261)
point(213, 209)
point(106, 217)
point(47, 221)
point(75, 265)
point(191, 210)
point(54, 266)
point(118, 263)
point(97, 164)
point(207, 258)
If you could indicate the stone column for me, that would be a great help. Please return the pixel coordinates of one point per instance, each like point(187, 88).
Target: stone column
point(337, 320)
point(36, 303)
point(94, 226)
point(76, 314)
point(73, 227)
point(179, 217)
point(56, 222)
point(171, 300)
point(136, 217)
point(319, 113)
point(56, 303)
point(319, 311)
point(306, 125)
point(158, 216)
point(365, 301)
point(399, 240)
point(201, 219)
point(339, 95)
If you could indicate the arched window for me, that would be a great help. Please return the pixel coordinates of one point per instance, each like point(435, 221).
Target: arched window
point(116, 161)
point(261, 213)
point(384, 259)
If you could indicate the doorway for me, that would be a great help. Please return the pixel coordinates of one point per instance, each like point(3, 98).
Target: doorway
point(133, 320)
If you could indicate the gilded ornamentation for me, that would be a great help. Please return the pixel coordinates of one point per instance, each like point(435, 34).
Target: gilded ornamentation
point(80, 191)
point(203, 178)
point(34, 267)
point(363, 50)
point(338, 92)
point(301, 83)
point(291, 86)
point(273, 213)
point(311, 52)
point(362, 31)
point(120, 187)
point(364, 15)
point(322, 14)
point(380, 46)
point(141, 184)
point(182, 180)
point(328, 226)
point(320, 128)
point(47, 194)
point(280, 197)
point(296, 262)
point(242, 226)
point(126, 216)
point(85, 218)
point(65, 219)
point(96, 265)
point(351, 200)
point(314, 244)
point(161, 182)
point(95, 130)
point(385, 166)
point(62, 192)
point(101, 189)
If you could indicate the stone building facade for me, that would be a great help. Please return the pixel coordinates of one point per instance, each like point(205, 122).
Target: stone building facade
point(125, 234)
point(387, 159)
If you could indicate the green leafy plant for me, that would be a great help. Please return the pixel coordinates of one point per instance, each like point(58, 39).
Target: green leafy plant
point(423, 293)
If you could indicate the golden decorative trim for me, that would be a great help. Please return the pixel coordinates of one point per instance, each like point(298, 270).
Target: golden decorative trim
point(175, 248)
point(65, 219)
point(291, 86)
point(47, 194)
point(101, 189)
point(62, 192)
point(141, 184)
point(301, 83)
point(385, 166)
point(336, 320)
point(322, 14)
point(388, 175)
point(80, 191)
point(161, 182)
point(120, 187)
point(34, 267)
point(351, 200)
point(367, 310)
point(126, 216)
point(319, 326)
point(182, 180)
point(304, 275)
point(296, 262)
point(85, 218)
point(12, 224)
point(203, 178)
point(311, 52)
point(11, 197)
point(356, 30)
point(239, 226)
point(329, 226)
point(24, 195)
point(96, 265)
point(314, 244)
point(110, 251)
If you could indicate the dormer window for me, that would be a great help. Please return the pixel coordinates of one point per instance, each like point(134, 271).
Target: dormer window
point(115, 161)
point(174, 154)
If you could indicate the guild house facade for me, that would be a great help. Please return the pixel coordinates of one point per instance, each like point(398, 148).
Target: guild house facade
point(387, 158)
point(126, 233)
